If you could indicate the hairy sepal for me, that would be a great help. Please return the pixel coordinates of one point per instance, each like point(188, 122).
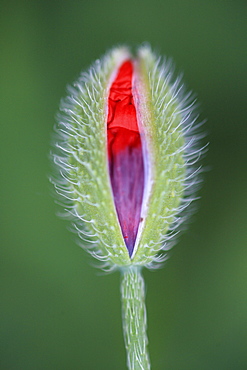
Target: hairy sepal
point(83, 178)
point(166, 114)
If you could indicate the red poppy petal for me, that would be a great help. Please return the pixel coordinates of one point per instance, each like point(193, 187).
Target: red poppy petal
point(125, 154)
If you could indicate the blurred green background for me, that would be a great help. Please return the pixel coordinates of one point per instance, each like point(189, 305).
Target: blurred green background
point(57, 311)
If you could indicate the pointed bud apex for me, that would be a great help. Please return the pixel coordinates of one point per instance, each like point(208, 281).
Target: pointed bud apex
point(124, 152)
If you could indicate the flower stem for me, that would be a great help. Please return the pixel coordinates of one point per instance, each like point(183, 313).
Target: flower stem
point(134, 318)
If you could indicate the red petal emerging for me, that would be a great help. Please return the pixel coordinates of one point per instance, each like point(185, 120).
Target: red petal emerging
point(125, 154)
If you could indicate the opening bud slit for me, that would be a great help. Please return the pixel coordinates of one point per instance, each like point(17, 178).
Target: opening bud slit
point(125, 154)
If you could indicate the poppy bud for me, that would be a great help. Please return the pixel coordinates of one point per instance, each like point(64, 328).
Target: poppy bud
point(126, 152)
point(125, 160)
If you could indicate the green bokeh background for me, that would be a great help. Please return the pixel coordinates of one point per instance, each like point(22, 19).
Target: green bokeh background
point(57, 311)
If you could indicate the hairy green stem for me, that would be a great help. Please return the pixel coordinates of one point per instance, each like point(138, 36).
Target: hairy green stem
point(134, 318)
